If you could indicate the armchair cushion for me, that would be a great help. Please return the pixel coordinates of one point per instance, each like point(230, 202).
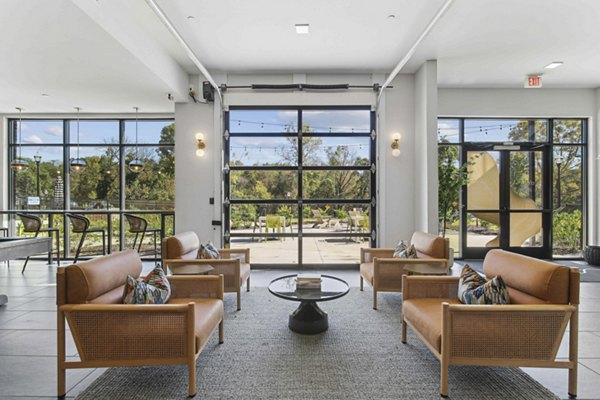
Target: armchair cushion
point(90, 280)
point(425, 315)
point(429, 246)
point(154, 288)
point(400, 247)
point(207, 313)
point(475, 289)
point(547, 281)
point(208, 252)
point(409, 252)
point(184, 245)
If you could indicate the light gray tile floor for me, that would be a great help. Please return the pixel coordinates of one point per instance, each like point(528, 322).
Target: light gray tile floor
point(28, 335)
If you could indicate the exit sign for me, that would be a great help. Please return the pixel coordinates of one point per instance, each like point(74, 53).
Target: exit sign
point(533, 81)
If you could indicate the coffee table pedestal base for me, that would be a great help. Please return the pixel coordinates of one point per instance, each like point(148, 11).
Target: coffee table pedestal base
point(308, 319)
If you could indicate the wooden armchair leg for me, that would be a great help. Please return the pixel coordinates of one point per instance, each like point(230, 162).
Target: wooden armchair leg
point(61, 352)
point(443, 378)
point(248, 284)
point(192, 378)
point(62, 379)
point(239, 299)
point(573, 382)
point(403, 331)
point(361, 283)
point(221, 333)
point(573, 353)
point(374, 298)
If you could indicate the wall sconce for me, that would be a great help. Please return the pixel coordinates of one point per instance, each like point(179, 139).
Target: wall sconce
point(200, 143)
point(395, 145)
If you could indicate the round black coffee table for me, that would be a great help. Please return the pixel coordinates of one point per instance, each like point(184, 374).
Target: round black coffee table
point(308, 317)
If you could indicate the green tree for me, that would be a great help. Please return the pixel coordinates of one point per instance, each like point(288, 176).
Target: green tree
point(452, 176)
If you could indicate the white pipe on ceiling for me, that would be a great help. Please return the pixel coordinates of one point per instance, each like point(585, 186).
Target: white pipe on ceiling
point(163, 17)
point(413, 48)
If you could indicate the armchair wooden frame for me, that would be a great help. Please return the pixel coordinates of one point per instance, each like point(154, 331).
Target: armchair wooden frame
point(385, 265)
point(522, 335)
point(119, 335)
point(230, 268)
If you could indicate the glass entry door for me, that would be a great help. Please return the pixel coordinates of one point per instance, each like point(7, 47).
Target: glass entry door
point(506, 203)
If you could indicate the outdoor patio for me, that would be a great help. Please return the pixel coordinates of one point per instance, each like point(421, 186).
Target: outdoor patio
point(336, 249)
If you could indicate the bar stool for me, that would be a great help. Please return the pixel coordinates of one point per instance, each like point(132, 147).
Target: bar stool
point(33, 224)
point(139, 225)
point(81, 225)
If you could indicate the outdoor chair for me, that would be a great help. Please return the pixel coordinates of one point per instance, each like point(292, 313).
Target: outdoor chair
point(139, 225)
point(275, 223)
point(180, 255)
point(384, 272)
point(260, 221)
point(81, 225)
point(33, 224)
point(323, 221)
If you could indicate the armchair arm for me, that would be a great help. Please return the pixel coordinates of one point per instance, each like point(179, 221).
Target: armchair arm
point(227, 253)
point(105, 333)
point(193, 266)
point(412, 261)
point(368, 254)
point(414, 287)
point(195, 286)
point(505, 332)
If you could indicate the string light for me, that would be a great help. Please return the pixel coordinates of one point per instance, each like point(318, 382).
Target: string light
point(286, 126)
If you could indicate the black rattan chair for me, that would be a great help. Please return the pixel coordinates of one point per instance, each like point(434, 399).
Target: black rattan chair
point(139, 225)
point(33, 224)
point(81, 225)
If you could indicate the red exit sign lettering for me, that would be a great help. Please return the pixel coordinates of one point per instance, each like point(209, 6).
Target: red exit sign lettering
point(533, 81)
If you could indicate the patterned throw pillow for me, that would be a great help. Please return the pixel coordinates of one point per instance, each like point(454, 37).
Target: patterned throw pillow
point(473, 288)
point(152, 289)
point(208, 252)
point(409, 252)
point(400, 247)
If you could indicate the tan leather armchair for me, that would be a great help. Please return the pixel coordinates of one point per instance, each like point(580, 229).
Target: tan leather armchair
point(180, 254)
point(110, 334)
point(384, 273)
point(544, 298)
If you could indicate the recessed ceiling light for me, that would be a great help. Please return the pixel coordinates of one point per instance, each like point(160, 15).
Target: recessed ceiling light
point(554, 64)
point(45, 95)
point(391, 16)
point(190, 17)
point(302, 29)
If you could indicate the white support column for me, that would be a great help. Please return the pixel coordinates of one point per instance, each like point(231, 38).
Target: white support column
point(194, 176)
point(593, 176)
point(425, 171)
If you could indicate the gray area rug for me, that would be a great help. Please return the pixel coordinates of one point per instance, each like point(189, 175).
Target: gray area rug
point(359, 357)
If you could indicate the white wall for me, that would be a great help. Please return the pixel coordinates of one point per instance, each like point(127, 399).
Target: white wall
point(396, 178)
point(194, 176)
point(546, 103)
point(516, 102)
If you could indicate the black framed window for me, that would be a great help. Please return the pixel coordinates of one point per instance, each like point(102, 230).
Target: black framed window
point(105, 184)
point(300, 183)
point(540, 163)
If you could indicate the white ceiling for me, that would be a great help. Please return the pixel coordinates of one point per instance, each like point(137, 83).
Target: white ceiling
point(111, 55)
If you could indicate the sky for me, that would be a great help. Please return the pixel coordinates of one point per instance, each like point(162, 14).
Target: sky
point(268, 150)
